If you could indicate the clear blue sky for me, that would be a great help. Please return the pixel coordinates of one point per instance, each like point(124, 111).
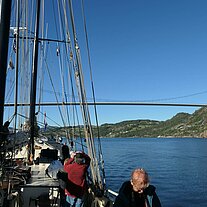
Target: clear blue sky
point(143, 50)
point(147, 50)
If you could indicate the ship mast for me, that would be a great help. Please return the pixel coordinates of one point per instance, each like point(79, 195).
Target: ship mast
point(5, 6)
point(34, 84)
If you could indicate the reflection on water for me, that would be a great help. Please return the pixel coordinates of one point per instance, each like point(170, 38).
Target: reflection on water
point(177, 167)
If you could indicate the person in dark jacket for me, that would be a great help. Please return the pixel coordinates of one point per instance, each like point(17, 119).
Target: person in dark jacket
point(137, 192)
point(76, 167)
point(65, 153)
point(5, 133)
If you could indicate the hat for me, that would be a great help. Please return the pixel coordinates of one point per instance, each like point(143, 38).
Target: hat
point(79, 158)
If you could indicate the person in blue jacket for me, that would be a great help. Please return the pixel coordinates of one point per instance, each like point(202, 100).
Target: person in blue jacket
point(137, 192)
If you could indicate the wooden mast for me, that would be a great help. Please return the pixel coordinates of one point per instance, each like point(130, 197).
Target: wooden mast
point(34, 84)
point(4, 40)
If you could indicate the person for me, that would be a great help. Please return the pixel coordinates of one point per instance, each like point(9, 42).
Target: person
point(76, 167)
point(5, 132)
point(137, 192)
point(65, 152)
point(53, 168)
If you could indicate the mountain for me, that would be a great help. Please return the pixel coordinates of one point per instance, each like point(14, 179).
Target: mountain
point(181, 125)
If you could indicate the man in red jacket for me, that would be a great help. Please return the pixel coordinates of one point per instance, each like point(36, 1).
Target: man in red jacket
point(76, 167)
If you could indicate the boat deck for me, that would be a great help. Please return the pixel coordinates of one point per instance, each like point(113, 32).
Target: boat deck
point(40, 188)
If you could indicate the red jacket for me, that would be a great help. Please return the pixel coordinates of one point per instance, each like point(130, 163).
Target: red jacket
point(76, 177)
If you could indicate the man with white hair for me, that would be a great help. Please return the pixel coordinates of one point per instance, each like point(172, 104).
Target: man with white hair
point(137, 192)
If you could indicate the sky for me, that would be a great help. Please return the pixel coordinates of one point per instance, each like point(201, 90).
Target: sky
point(144, 51)
point(153, 51)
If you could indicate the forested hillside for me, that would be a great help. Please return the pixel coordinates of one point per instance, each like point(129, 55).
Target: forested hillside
point(181, 125)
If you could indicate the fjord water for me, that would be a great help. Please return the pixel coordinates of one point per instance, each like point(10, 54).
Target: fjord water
point(176, 166)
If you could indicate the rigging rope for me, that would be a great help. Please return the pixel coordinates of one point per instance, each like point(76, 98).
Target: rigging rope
point(50, 77)
point(41, 73)
point(71, 135)
point(64, 98)
point(93, 92)
point(69, 51)
point(85, 110)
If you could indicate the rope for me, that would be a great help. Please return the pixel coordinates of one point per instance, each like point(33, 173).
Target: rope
point(70, 62)
point(53, 88)
point(84, 107)
point(51, 120)
point(41, 75)
point(67, 49)
point(93, 92)
point(60, 64)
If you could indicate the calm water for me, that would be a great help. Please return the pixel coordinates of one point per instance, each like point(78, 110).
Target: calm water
point(177, 167)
